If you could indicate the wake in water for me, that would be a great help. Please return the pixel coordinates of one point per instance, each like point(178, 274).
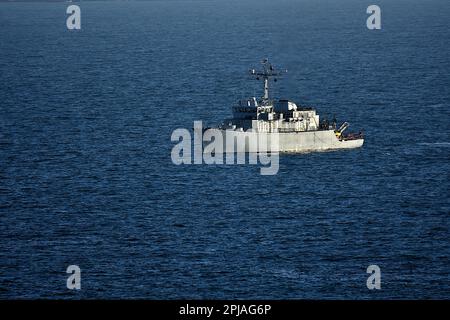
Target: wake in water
point(435, 144)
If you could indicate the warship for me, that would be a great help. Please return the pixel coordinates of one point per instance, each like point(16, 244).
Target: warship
point(283, 125)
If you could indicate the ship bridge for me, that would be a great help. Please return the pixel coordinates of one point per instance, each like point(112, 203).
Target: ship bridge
point(268, 115)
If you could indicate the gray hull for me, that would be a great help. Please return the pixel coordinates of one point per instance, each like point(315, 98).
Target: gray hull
point(307, 141)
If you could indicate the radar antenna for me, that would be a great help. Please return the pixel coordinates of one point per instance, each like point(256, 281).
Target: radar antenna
point(266, 73)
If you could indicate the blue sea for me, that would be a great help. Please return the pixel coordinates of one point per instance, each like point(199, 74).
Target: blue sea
point(86, 176)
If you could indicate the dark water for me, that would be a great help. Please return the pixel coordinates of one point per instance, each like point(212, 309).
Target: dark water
point(86, 176)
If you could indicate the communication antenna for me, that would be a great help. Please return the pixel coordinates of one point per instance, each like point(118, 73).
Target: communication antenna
point(267, 72)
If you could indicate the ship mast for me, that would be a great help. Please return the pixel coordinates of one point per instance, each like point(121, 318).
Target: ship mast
point(266, 73)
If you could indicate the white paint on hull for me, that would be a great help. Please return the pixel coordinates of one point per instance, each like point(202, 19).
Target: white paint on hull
point(306, 141)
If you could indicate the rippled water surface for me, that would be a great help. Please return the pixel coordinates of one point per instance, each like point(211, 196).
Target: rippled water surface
point(86, 176)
